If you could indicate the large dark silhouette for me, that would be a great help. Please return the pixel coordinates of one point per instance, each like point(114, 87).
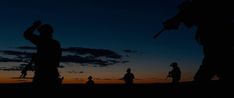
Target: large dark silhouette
point(128, 78)
point(175, 73)
point(214, 22)
point(47, 57)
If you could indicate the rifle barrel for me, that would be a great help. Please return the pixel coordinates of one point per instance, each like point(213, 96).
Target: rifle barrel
point(159, 33)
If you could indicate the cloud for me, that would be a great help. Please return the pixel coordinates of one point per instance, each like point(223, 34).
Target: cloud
point(18, 56)
point(93, 52)
point(75, 72)
point(130, 51)
point(13, 68)
point(124, 62)
point(88, 60)
point(26, 48)
point(3, 59)
point(84, 56)
point(84, 51)
point(14, 52)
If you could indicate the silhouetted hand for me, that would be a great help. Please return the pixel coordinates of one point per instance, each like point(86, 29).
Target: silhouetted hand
point(37, 23)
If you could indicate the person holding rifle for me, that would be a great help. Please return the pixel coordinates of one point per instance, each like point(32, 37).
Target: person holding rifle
point(215, 25)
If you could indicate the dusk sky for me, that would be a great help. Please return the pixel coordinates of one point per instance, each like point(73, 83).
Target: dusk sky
point(125, 27)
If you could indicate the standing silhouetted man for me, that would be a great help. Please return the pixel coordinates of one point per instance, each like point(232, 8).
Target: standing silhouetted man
point(215, 25)
point(90, 82)
point(128, 78)
point(47, 57)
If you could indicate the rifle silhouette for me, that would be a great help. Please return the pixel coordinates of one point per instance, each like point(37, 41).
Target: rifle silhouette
point(169, 75)
point(159, 33)
point(171, 24)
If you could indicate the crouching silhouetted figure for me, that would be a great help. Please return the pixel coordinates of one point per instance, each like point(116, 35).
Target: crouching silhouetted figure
point(175, 73)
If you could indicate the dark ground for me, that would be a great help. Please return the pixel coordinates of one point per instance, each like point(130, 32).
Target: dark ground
point(212, 89)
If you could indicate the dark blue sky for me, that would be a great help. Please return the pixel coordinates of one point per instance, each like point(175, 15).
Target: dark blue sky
point(108, 24)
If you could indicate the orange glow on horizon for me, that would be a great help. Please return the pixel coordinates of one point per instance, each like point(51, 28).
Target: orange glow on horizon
point(83, 81)
point(99, 78)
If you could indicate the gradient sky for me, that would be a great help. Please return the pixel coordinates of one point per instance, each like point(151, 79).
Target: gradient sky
point(105, 24)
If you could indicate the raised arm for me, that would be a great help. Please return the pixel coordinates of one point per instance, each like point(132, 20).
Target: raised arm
point(28, 34)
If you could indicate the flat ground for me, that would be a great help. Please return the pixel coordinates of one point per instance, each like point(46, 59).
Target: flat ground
point(187, 89)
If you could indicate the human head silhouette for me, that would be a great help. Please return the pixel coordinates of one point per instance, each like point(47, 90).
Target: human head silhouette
point(45, 30)
point(90, 77)
point(129, 70)
point(174, 64)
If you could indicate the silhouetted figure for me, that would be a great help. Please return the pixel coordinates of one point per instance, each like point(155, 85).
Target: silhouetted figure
point(90, 82)
point(214, 22)
point(128, 78)
point(47, 57)
point(175, 73)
